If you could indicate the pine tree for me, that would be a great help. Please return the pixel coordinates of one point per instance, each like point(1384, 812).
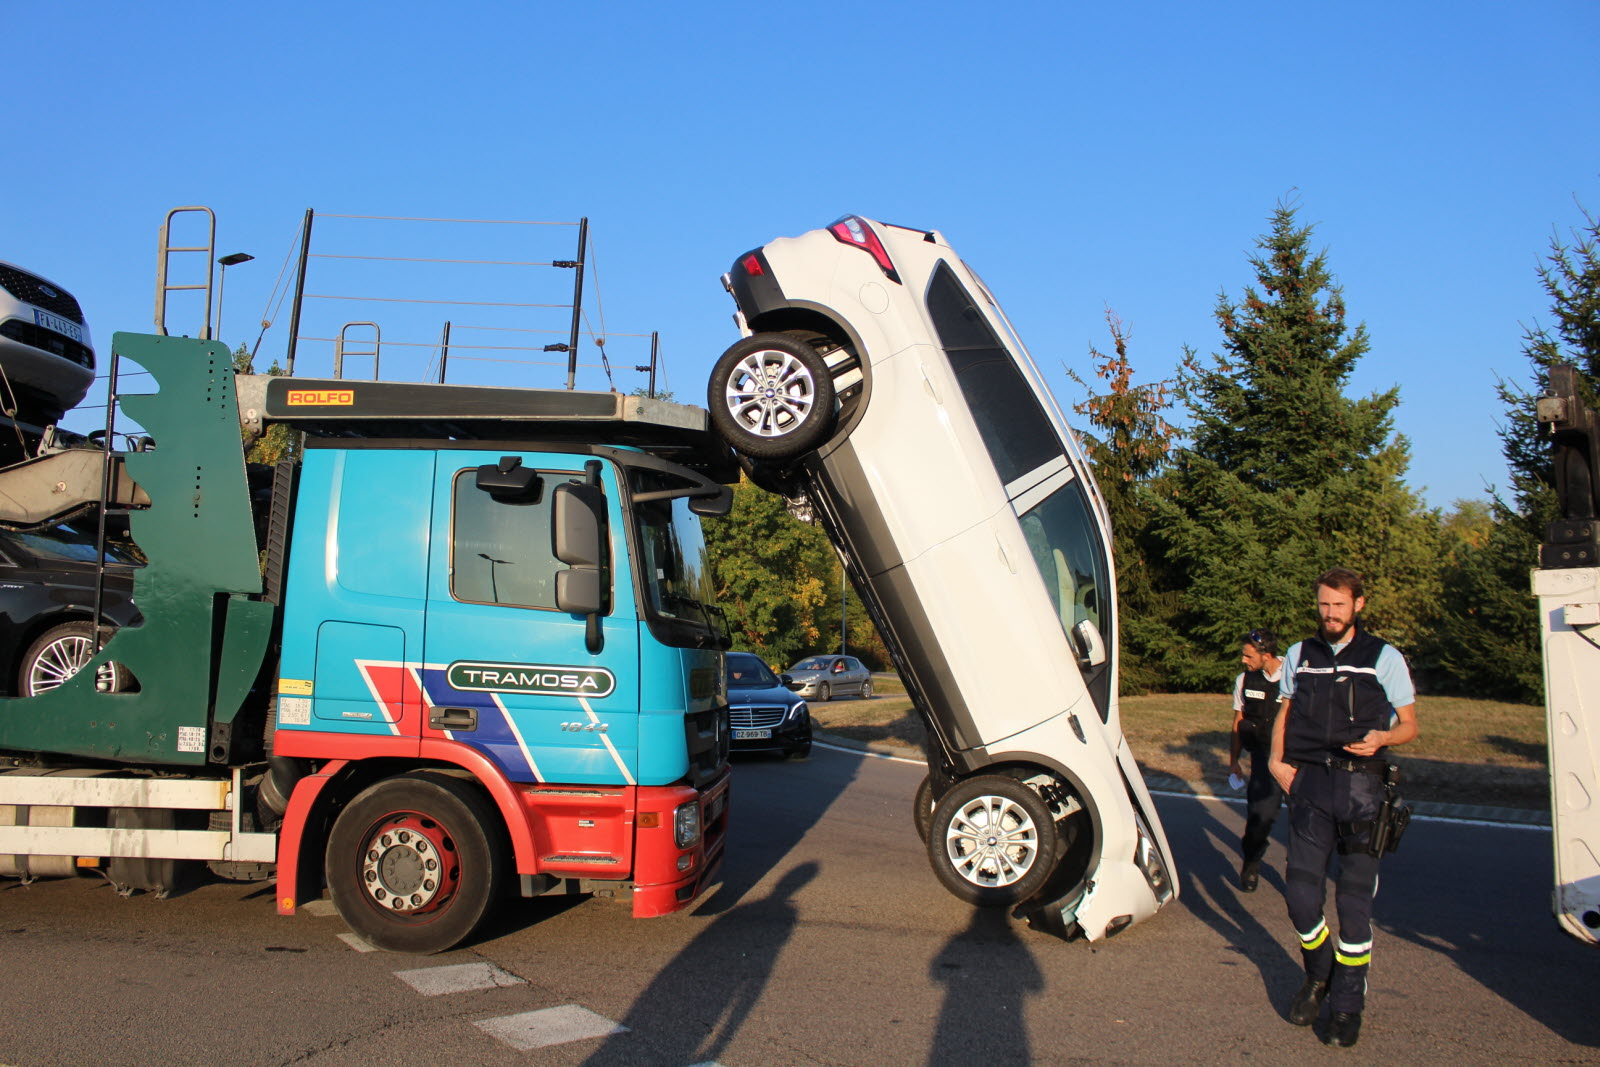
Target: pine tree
point(1285, 475)
point(1488, 641)
point(1129, 453)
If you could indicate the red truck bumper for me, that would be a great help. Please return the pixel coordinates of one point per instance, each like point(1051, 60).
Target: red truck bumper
point(667, 878)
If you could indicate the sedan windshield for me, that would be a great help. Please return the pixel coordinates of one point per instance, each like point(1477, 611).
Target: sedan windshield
point(811, 665)
point(748, 672)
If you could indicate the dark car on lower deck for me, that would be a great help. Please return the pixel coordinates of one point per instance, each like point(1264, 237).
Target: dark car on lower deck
point(47, 580)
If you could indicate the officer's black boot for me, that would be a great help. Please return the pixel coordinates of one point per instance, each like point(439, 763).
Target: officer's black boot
point(1344, 1028)
point(1250, 876)
point(1307, 1003)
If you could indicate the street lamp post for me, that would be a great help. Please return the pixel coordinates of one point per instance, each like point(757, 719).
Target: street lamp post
point(222, 283)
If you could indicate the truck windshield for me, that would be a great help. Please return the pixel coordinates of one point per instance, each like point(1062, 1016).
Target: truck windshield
point(674, 570)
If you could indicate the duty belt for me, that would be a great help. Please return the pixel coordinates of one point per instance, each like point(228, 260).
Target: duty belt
point(1353, 766)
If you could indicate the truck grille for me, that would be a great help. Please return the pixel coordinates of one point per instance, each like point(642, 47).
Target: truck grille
point(757, 716)
point(708, 740)
point(40, 293)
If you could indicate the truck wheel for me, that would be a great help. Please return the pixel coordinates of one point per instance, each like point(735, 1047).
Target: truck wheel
point(922, 808)
point(58, 654)
point(992, 841)
point(415, 863)
point(771, 397)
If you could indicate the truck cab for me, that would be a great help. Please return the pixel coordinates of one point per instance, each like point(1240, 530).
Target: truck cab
point(461, 641)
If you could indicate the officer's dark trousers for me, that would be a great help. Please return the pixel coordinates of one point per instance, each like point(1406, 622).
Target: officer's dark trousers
point(1263, 797)
point(1319, 801)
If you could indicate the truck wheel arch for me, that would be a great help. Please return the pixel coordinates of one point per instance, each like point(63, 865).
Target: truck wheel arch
point(318, 797)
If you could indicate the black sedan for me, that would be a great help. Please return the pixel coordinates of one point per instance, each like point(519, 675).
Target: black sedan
point(47, 580)
point(767, 715)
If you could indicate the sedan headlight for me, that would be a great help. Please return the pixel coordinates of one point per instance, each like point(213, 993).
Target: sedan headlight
point(686, 824)
point(799, 712)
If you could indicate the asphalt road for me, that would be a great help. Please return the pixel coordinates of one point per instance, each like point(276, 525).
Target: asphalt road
point(829, 942)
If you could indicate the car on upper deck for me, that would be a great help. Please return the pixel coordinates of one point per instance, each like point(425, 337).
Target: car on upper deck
point(45, 349)
point(879, 383)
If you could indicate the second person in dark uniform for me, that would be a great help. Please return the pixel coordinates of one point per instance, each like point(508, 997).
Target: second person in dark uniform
point(1255, 709)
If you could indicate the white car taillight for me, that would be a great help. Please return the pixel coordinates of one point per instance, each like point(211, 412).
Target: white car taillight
point(851, 230)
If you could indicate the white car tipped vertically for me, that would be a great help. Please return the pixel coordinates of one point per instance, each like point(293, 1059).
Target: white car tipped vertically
point(879, 378)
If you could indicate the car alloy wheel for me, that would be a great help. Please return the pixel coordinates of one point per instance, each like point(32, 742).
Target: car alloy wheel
point(771, 397)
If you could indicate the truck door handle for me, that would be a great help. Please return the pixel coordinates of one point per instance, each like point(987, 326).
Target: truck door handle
point(453, 718)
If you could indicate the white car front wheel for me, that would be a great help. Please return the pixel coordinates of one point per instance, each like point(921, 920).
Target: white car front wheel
point(993, 841)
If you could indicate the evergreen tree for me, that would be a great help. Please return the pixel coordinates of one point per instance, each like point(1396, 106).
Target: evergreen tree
point(1128, 447)
point(1285, 475)
point(1489, 634)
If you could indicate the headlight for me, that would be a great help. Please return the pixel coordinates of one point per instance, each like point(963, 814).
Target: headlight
point(799, 712)
point(686, 824)
point(1148, 858)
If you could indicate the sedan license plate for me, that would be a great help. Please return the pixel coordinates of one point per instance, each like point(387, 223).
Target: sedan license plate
point(751, 735)
point(58, 324)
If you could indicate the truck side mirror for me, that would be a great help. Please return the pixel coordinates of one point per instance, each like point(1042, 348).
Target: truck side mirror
point(713, 506)
point(579, 539)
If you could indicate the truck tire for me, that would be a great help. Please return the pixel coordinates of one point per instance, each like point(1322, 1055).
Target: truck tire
point(771, 397)
point(992, 841)
point(58, 654)
point(416, 863)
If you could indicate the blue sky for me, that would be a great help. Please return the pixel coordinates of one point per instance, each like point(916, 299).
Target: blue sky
point(1079, 156)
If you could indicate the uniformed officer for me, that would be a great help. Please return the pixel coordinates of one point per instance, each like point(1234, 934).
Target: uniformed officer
point(1255, 708)
point(1347, 696)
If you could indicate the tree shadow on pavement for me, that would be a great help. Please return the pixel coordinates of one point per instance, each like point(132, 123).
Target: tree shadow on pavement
point(695, 1006)
point(988, 973)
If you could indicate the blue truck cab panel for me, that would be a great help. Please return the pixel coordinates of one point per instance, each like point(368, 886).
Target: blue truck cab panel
point(420, 605)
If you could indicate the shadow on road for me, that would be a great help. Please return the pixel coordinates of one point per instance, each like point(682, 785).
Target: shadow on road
point(1498, 930)
point(695, 1006)
point(793, 796)
point(1206, 851)
point(987, 973)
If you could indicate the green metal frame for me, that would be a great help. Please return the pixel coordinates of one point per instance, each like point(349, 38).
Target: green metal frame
point(203, 640)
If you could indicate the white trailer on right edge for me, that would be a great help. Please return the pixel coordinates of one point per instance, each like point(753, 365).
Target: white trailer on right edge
point(1567, 583)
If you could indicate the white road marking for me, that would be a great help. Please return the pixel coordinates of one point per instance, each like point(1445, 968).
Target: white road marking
point(457, 978)
point(549, 1026)
point(320, 908)
point(355, 942)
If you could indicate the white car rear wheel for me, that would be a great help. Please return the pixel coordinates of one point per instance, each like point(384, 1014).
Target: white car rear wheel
point(771, 397)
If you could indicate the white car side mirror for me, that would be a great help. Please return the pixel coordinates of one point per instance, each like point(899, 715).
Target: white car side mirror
point(1091, 646)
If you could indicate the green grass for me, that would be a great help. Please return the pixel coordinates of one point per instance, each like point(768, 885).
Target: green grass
point(1468, 751)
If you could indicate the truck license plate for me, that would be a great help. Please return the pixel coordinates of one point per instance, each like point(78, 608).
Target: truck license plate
point(751, 735)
